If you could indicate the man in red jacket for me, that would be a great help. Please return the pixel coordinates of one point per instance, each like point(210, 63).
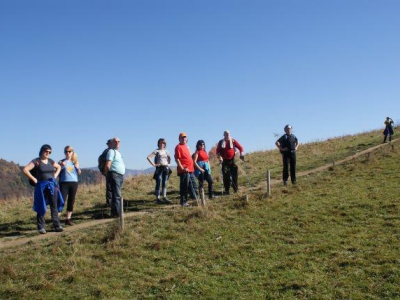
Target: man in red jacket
point(226, 151)
point(185, 168)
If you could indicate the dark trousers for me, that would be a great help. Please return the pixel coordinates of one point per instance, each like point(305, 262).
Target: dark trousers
point(68, 191)
point(289, 158)
point(388, 132)
point(187, 185)
point(230, 174)
point(116, 182)
point(206, 177)
point(52, 202)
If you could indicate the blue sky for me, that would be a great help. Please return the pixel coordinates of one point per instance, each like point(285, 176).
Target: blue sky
point(79, 72)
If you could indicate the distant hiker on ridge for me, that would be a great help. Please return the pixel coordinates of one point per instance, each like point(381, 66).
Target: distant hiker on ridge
point(226, 150)
point(389, 124)
point(162, 160)
point(287, 145)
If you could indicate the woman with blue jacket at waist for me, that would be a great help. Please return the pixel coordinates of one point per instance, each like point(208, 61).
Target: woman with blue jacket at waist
point(46, 188)
point(203, 168)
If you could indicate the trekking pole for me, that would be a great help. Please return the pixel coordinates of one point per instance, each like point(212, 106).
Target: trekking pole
point(221, 179)
point(247, 175)
point(121, 214)
point(192, 188)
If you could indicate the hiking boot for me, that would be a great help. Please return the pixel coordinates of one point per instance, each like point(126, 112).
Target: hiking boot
point(185, 204)
point(69, 222)
point(167, 201)
point(58, 229)
point(42, 231)
point(285, 183)
point(159, 201)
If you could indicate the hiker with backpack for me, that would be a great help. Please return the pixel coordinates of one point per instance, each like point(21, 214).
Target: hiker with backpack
point(203, 168)
point(288, 145)
point(115, 171)
point(69, 180)
point(389, 124)
point(161, 159)
point(102, 160)
point(185, 168)
point(45, 171)
point(226, 151)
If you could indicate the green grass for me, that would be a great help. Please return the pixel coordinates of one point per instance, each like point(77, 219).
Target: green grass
point(333, 236)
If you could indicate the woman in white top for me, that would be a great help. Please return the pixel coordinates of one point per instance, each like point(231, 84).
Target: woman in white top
point(161, 161)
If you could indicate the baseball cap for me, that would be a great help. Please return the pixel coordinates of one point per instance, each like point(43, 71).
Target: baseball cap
point(182, 134)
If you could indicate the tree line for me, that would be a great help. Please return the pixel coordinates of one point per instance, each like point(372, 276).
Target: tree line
point(14, 185)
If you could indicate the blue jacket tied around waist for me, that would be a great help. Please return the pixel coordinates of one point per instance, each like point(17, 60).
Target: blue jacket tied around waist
point(204, 165)
point(40, 202)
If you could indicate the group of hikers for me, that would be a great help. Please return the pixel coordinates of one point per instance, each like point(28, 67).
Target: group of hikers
point(43, 172)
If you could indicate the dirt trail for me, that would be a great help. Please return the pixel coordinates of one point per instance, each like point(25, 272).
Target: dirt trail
point(50, 234)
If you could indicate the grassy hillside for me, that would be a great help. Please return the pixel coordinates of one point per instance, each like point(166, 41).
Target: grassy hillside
point(334, 235)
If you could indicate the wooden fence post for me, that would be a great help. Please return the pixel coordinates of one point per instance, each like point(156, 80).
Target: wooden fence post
point(268, 183)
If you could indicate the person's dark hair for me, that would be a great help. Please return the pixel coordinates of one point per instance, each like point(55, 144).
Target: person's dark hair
point(198, 144)
point(161, 140)
point(44, 148)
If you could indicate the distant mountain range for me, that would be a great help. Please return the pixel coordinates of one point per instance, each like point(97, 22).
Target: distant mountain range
point(129, 172)
point(14, 185)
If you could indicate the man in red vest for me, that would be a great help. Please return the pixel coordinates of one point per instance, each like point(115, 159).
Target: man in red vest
point(226, 151)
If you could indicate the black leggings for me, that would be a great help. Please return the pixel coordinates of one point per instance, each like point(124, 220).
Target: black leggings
point(68, 191)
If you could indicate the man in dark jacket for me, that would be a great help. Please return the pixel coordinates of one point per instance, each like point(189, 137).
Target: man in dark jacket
point(288, 145)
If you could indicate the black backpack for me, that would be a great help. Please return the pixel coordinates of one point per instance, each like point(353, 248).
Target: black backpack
point(102, 161)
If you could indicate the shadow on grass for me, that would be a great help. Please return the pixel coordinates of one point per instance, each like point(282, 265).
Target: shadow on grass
point(17, 228)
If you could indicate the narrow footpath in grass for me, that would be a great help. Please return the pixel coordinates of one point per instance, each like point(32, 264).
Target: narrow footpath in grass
point(50, 234)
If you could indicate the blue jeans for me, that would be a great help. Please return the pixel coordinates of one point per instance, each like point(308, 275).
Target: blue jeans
point(116, 181)
point(187, 186)
point(162, 175)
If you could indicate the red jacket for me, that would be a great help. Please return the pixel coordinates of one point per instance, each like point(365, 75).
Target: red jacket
point(225, 150)
point(182, 152)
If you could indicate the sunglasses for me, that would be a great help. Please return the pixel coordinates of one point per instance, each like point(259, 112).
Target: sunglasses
point(69, 151)
point(47, 151)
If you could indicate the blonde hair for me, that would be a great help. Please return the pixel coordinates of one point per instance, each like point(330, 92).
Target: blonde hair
point(74, 157)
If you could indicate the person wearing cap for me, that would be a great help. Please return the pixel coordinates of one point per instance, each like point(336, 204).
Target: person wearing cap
point(115, 171)
point(388, 129)
point(288, 145)
point(109, 144)
point(46, 188)
point(185, 168)
point(226, 150)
